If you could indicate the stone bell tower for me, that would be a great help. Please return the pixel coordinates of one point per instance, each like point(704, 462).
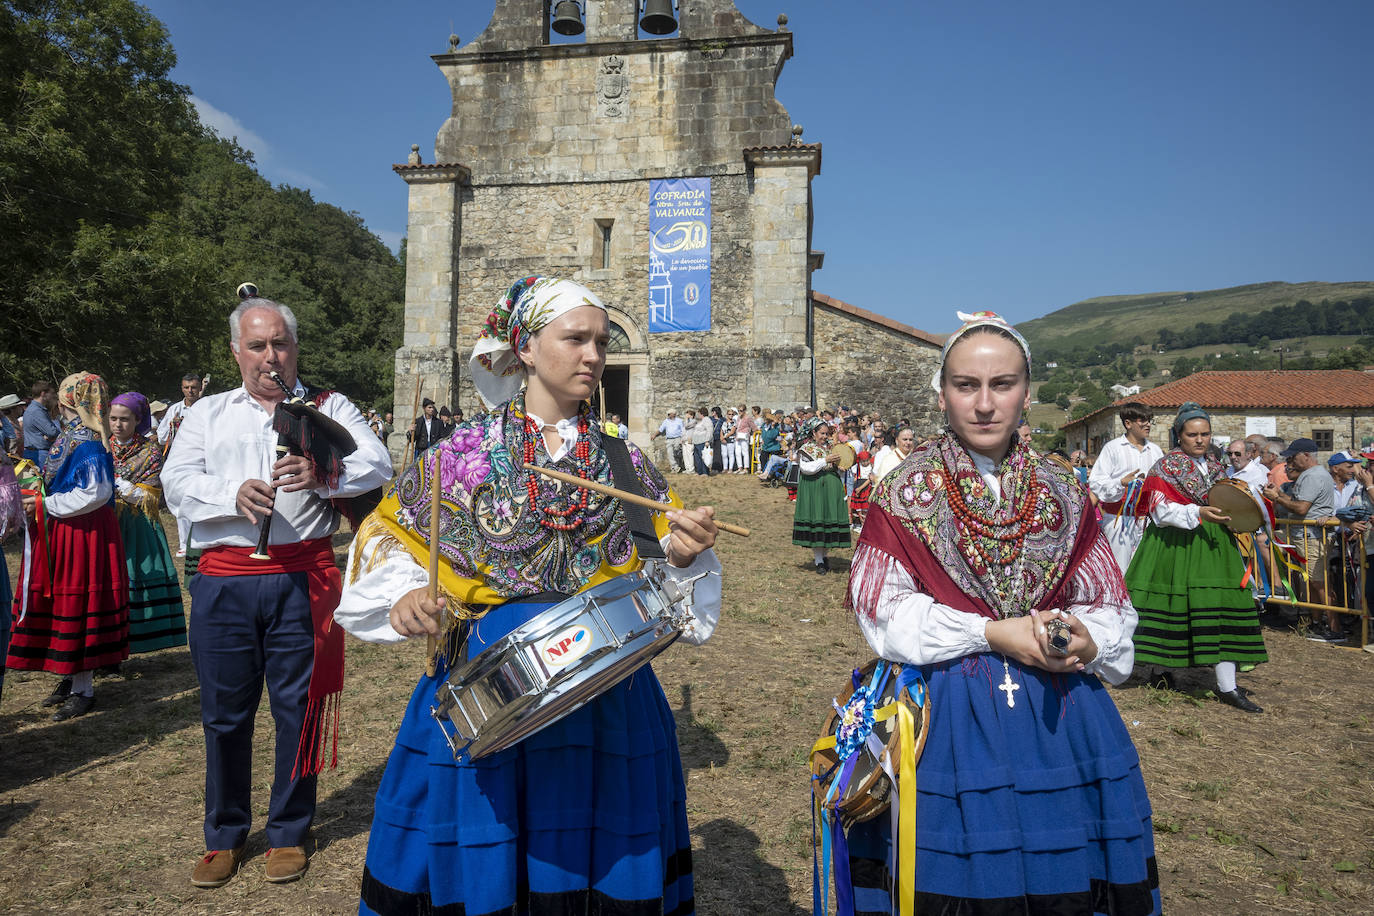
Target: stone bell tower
point(544, 167)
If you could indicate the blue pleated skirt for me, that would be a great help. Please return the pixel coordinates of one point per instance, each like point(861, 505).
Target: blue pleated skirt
point(588, 815)
point(1036, 808)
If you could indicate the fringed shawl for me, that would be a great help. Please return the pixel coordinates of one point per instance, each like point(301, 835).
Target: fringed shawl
point(910, 522)
point(139, 461)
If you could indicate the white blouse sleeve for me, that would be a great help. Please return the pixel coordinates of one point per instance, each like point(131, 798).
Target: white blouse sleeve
point(706, 592)
point(811, 467)
point(906, 625)
point(1175, 515)
point(365, 608)
point(1097, 596)
point(94, 492)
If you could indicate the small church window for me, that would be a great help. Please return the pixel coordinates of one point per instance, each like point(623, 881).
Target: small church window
point(619, 342)
point(1325, 439)
point(601, 244)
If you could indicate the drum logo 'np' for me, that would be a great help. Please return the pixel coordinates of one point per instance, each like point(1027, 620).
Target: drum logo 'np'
point(567, 646)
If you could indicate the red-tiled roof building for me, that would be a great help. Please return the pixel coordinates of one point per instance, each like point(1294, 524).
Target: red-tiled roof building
point(1333, 406)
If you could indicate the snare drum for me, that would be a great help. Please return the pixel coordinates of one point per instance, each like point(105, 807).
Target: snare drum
point(1235, 499)
point(558, 661)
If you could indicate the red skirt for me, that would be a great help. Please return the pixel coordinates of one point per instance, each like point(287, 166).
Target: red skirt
point(77, 588)
point(858, 500)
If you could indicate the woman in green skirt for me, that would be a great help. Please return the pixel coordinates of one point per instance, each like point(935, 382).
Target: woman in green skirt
point(821, 519)
point(1185, 579)
point(157, 619)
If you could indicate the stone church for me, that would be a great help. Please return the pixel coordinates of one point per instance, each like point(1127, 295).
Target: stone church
point(545, 166)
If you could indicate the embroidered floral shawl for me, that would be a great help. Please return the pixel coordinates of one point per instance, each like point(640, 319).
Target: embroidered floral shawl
point(911, 522)
point(490, 537)
point(1186, 479)
point(139, 461)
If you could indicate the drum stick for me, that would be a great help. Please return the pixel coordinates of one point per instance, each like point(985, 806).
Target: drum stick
point(628, 497)
point(431, 663)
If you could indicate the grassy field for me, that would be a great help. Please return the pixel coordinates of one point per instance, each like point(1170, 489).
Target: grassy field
point(1253, 814)
point(1119, 318)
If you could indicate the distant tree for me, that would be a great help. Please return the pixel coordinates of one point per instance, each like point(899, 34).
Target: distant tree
point(1146, 367)
point(1184, 365)
point(1062, 400)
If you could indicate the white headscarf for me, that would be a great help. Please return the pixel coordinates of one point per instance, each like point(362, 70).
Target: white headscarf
point(527, 306)
point(979, 320)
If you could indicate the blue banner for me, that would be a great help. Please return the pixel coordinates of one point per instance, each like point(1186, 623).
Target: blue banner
point(679, 255)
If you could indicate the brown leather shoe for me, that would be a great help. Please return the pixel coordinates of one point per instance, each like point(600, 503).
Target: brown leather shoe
point(286, 863)
point(217, 867)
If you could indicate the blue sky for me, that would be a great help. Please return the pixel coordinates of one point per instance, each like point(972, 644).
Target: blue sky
point(1007, 155)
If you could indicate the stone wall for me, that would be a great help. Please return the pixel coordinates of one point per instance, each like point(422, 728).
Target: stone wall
point(868, 365)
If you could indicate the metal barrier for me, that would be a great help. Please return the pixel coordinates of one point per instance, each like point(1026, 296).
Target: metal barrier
point(1345, 584)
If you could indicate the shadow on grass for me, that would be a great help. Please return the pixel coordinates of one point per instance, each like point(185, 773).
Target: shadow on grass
point(347, 812)
point(155, 696)
point(11, 814)
point(700, 746)
point(731, 877)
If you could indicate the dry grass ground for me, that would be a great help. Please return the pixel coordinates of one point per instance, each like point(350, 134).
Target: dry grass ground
point(1253, 814)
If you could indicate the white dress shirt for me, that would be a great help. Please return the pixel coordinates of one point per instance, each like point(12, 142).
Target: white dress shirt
point(1117, 459)
point(1252, 474)
point(365, 609)
point(912, 627)
point(164, 428)
point(226, 439)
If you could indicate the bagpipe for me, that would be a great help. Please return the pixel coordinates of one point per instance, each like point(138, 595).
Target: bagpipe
point(303, 429)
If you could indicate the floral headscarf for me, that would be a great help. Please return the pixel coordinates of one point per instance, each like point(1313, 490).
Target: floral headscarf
point(527, 306)
point(138, 406)
point(88, 395)
point(971, 322)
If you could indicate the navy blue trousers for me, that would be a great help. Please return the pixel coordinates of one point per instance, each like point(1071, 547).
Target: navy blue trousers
point(245, 629)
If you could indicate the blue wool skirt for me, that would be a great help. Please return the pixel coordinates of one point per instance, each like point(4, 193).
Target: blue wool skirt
point(588, 815)
point(1036, 808)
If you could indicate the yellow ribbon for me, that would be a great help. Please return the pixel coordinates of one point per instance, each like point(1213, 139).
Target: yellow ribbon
point(906, 817)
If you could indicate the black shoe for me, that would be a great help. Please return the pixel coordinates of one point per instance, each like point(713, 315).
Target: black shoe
point(76, 705)
point(60, 694)
point(1162, 681)
point(822, 568)
point(1237, 699)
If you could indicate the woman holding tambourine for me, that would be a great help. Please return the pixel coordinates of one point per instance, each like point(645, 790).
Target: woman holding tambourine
point(1187, 578)
point(589, 813)
point(820, 519)
point(980, 563)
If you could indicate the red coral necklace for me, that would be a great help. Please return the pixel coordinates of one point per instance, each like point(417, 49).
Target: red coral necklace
point(569, 516)
point(990, 527)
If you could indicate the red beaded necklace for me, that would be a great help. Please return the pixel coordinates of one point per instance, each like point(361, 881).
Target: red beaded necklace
point(570, 516)
point(978, 526)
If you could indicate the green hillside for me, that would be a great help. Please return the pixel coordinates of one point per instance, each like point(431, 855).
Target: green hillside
point(1118, 319)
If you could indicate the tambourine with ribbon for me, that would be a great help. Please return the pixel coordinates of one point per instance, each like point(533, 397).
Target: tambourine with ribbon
point(863, 764)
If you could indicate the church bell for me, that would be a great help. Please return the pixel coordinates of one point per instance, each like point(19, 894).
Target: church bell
point(658, 18)
point(567, 18)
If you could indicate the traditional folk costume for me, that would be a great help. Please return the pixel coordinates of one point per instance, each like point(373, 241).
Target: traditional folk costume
point(157, 619)
point(820, 519)
point(11, 521)
point(167, 430)
point(1122, 527)
point(589, 813)
point(253, 620)
point(1186, 577)
point(1029, 792)
point(72, 606)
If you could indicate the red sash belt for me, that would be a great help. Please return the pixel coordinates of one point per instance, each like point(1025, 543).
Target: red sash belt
point(316, 559)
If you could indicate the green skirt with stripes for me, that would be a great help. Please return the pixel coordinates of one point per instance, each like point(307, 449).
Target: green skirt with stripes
point(1185, 586)
point(821, 518)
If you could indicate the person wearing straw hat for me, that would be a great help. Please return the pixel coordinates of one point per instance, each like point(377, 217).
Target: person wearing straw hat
point(72, 614)
point(587, 814)
point(1186, 576)
point(975, 550)
point(9, 431)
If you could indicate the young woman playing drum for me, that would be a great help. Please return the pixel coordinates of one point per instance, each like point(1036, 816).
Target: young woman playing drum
point(1185, 578)
point(975, 555)
point(588, 814)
